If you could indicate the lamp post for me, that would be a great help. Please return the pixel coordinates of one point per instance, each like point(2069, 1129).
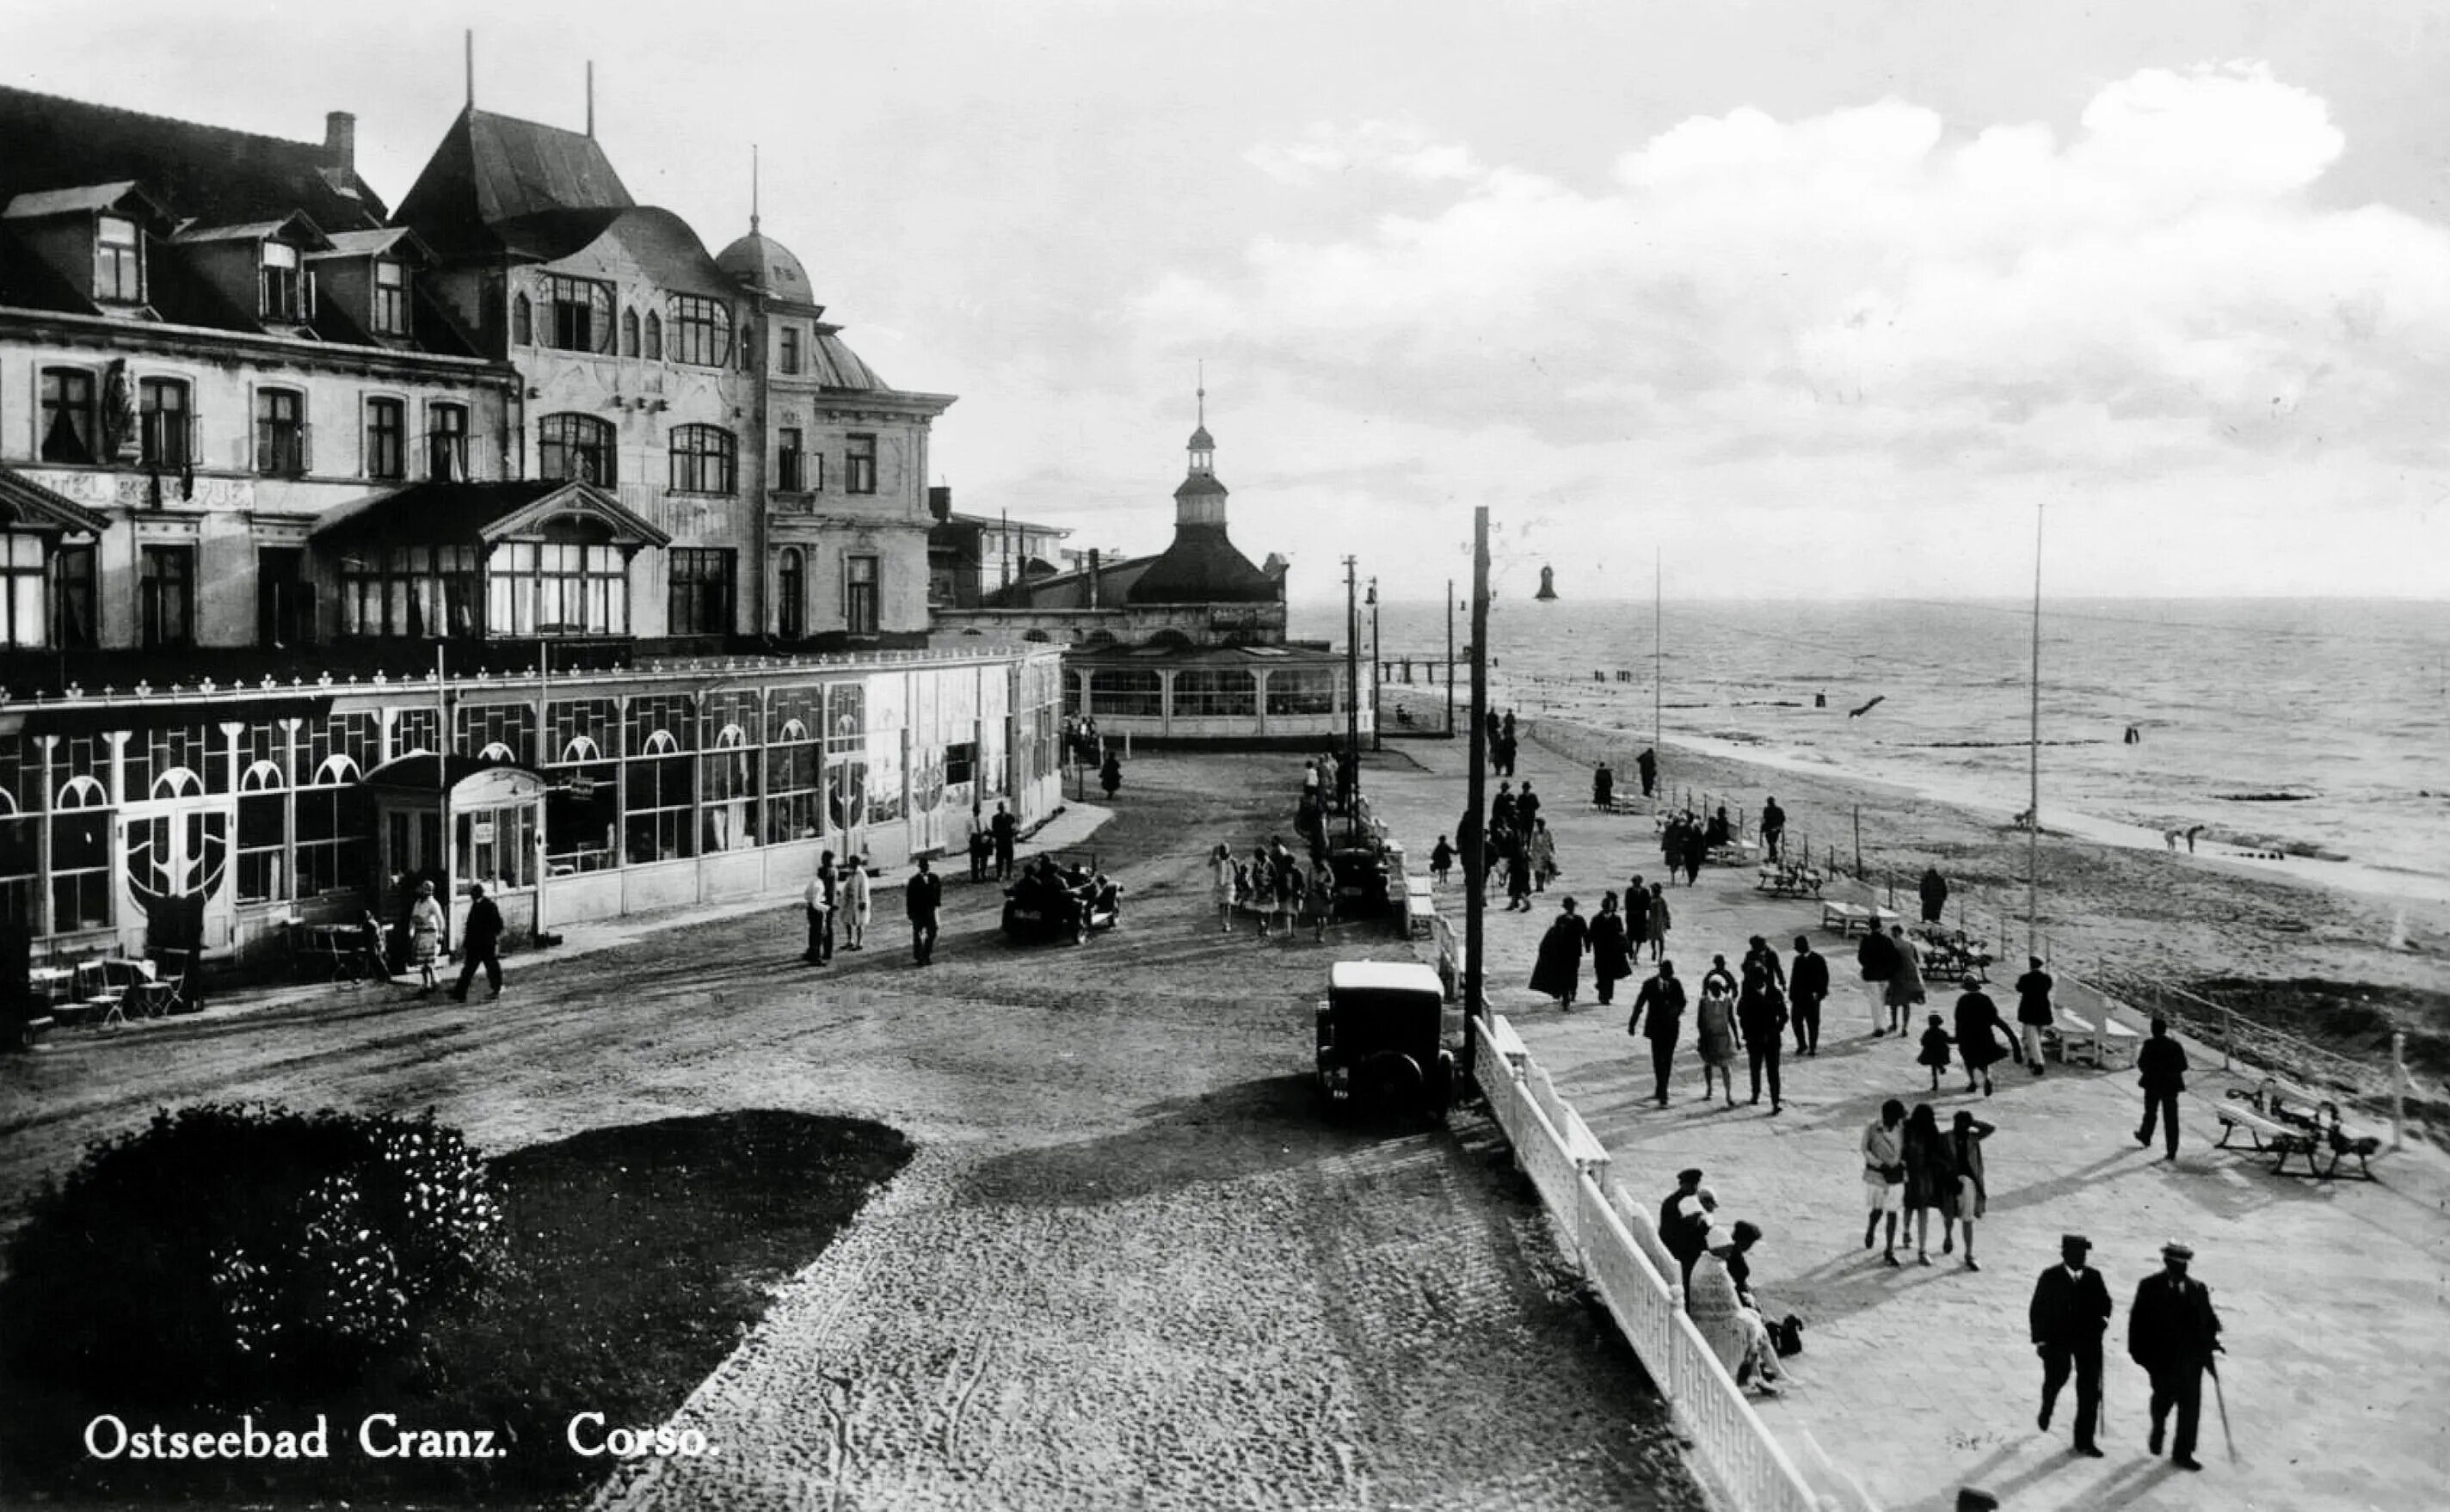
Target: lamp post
point(1450, 607)
point(1351, 705)
point(1377, 673)
point(1475, 865)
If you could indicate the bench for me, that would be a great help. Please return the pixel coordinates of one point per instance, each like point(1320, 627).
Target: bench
point(2318, 1137)
point(2079, 1039)
point(1844, 917)
point(1420, 912)
point(1787, 879)
point(24, 1034)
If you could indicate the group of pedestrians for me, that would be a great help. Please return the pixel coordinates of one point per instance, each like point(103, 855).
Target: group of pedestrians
point(1714, 1262)
point(992, 841)
point(839, 901)
point(1518, 844)
point(1276, 886)
point(2172, 1332)
point(1502, 746)
point(1750, 1008)
point(1912, 1169)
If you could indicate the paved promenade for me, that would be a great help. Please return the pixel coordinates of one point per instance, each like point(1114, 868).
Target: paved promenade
point(1918, 1382)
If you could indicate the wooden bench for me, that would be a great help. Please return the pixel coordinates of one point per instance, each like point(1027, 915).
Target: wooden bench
point(1420, 911)
point(2079, 1039)
point(2319, 1136)
point(1787, 879)
point(1844, 917)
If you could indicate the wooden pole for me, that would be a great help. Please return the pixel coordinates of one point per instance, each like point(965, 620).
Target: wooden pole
point(2033, 813)
point(1475, 867)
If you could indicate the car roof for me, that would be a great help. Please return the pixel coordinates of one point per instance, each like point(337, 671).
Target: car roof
point(1383, 976)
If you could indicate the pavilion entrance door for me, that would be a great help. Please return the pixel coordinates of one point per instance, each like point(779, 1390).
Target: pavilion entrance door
point(174, 873)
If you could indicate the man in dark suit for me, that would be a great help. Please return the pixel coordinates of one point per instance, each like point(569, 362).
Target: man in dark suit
point(1807, 983)
point(2070, 1308)
point(480, 941)
point(2161, 1065)
point(1683, 1224)
point(1001, 831)
point(1665, 997)
point(2172, 1332)
point(921, 901)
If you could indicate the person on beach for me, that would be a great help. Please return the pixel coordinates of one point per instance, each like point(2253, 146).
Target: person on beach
point(1603, 789)
point(1557, 970)
point(1659, 922)
point(1807, 983)
point(1965, 1137)
point(2161, 1067)
point(1442, 858)
point(1935, 894)
point(1714, 1022)
point(1761, 1012)
point(1663, 995)
point(2172, 1332)
point(921, 899)
point(1736, 1333)
point(1903, 993)
point(1684, 1221)
point(2192, 830)
point(1884, 1175)
point(1978, 1031)
point(1611, 952)
point(1647, 764)
point(2033, 1010)
point(1542, 850)
point(855, 903)
point(1930, 1183)
point(1224, 880)
point(1935, 1051)
point(2068, 1314)
point(1878, 959)
point(1773, 828)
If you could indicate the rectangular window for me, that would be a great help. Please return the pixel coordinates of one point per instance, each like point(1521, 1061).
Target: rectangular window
point(787, 350)
point(72, 626)
point(391, 299)
point(701, 331)
point(284, 601)
point(67, 416)
point(422, 593)
point(334, 838)
point(701, 591)
point(859, 465)
point(280, 287)
point(860, 594)
point(118, 262)
point(446, 443)
point(791, 463)
point(25, 615)
point(386, 439)
point(262, 833)
point(279, 433)
point(165, 596)
point(164, 423)
point(552, 587)
point(579, 314)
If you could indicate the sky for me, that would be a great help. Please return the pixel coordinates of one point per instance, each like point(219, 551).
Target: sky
point(1781, 299)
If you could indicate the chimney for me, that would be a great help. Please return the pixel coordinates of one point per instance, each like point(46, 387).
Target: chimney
point(340, 144)
point(1093, 577)
point(939, 503)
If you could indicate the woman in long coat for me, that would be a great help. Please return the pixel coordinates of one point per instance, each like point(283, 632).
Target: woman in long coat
point(1611, 952)
point(1903, 990)
point(1930, 1181)
point(1659, 922)
point(1558, 970)
point(1979, 1026)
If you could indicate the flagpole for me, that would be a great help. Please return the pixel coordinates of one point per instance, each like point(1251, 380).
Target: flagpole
point(2034, 796)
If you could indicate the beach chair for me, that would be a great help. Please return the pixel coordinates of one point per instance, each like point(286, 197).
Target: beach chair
point(1844, 917)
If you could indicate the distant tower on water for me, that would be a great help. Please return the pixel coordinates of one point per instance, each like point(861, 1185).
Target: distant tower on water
point(1548, 585)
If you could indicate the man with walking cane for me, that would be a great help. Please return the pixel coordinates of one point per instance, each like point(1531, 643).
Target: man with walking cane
point(2070, 1308)
point(2173, 1333)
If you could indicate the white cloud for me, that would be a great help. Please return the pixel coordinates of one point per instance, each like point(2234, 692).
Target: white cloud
point(1404, 148)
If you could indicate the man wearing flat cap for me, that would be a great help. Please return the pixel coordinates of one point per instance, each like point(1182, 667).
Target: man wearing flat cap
point(2172, 1332)
point(1684, 1221)
point(2070, 1308)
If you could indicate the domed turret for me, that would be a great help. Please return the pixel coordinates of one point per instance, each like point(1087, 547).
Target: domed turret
point(767, 267)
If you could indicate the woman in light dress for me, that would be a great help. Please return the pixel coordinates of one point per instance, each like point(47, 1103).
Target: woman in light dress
point(1225, 878)
point(855, 903)
point(425, 924)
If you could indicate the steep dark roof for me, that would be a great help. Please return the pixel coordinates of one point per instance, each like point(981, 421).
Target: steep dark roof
point(477, 513)
point(491, 169)
point(1202, 567)
point(213, 174)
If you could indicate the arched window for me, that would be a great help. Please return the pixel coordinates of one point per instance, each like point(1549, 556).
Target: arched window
point(500, 754)
point(177, 782)
point(522, 322)
point(82, 793)
point(703, 457)
point(628, 333)
point(261, 777)
point(337, 771)
point(581, 748)
point(659, 743)
point(792, 594)
point(575, 447)
point(655, 337)
point(701, 331)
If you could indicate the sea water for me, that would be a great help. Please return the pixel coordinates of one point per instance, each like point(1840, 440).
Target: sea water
point(2317, 727)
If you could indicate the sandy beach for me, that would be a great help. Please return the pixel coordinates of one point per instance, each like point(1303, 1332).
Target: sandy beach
point(2341, 965)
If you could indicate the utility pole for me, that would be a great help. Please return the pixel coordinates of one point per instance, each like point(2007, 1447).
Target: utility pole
point(1377, 675)
point(2033, 835)
point(1351, 703)
point(1475, 864)
point(1449, 658)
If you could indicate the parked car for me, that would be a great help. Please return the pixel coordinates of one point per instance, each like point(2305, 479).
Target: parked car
point(1041, 904)
point(1382, 1039)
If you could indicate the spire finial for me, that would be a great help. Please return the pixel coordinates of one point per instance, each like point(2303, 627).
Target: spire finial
point(468, 41)
point(1204, 393)
point(753, 189)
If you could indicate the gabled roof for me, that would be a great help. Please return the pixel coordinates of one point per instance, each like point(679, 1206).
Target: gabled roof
point(371, 244)
point(211, 173)
point(479, 514)
point(491, 169)
point(83, 200)
point(312, 237)
point(30, 505)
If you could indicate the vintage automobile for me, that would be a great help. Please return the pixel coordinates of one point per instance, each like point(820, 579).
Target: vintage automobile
point(1035, 910)
point(1381, 1038)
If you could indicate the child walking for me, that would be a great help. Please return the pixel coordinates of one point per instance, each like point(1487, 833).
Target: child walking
point(1934, 1050)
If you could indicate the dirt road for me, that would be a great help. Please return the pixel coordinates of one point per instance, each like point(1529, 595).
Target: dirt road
point(1131, 1266)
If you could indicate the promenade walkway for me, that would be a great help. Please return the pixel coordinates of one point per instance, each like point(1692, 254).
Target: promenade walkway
point(1919, 1381)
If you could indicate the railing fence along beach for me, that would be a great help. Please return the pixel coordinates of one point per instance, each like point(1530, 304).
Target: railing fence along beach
point(1615, 1245)
point(2135, 999)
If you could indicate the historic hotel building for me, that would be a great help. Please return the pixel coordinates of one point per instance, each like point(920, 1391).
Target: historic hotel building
point(509, 537)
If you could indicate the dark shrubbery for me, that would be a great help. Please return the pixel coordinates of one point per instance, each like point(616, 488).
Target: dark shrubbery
point(228, 1250)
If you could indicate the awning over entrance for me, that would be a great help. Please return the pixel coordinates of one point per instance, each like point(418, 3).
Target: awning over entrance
point(472, 783)
point(27, 505)
point(482, 514)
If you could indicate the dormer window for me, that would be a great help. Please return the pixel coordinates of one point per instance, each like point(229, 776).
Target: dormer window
point(391, 299)
point(118, 262)
point(280, 286)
